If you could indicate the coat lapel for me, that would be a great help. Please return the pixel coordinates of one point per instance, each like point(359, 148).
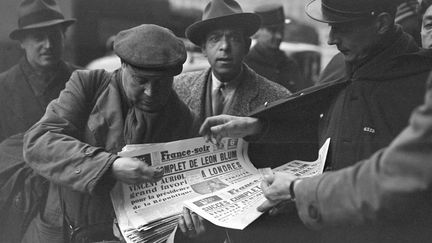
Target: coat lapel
point(106, 120)
point(244, 94)
point(198, 86)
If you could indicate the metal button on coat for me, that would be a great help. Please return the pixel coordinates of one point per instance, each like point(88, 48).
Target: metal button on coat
point(313, 212)
point(77, 171)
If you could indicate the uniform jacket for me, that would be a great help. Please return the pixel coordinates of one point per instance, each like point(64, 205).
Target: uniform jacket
point(391, 190)
point(252, 92)
point(277, 67)
point(20, 105)
point(76, 141)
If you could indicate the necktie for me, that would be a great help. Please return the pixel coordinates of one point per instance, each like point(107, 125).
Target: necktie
point(218, 99)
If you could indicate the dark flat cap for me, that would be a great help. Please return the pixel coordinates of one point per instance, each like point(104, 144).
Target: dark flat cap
point(151, 48)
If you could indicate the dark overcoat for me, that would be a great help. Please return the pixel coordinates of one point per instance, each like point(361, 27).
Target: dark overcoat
point(20, 105)
point(362, 118)
point(276, 66)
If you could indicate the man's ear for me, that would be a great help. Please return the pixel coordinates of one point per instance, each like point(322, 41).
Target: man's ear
point(203, 49)
point(384, 22)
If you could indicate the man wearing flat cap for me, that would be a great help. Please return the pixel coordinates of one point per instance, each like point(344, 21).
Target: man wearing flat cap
point(266, 58)
point(384, 74)
point(76, 142)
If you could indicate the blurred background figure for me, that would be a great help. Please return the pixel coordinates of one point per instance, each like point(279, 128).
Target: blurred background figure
point(25, 91)
point(407, 17)
point(425, 14)
point(266, 58)
point(28, 87)
point(110, 61)
point(302, 43)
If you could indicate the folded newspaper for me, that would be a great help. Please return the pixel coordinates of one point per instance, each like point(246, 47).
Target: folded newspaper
point(218, 182)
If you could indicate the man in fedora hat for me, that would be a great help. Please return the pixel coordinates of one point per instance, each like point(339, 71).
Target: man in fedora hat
point(25, 91)
point(228, 86)
point(385, 74)
point(28, 87)
point(266, 58)
point(75, 144)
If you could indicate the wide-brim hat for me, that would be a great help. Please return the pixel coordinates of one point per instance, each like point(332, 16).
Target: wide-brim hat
point(341, 11)
point(34, 14)
point(222, 13)
point(151, 49)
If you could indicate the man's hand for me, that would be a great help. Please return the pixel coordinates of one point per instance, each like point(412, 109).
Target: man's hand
point(133, 171)
point(191, 224)
point(218, 127)
point(276, 191)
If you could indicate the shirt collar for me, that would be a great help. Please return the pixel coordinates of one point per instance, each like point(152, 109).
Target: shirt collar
point(229, 86)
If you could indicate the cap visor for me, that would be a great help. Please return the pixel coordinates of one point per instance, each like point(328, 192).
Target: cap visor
point(314, 11)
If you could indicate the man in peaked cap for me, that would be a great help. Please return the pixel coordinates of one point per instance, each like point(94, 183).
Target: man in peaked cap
point(25, 91)
point(75, 144)
point(266, 58)
point(385, 74)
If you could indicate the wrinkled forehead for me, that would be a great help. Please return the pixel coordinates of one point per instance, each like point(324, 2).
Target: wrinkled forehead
point(226, 31)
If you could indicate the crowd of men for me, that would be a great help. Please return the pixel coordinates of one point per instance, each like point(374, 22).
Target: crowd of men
point(62, 125)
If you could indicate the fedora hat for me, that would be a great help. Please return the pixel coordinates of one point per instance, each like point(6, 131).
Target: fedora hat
point(34, 14)
point(221, 13)
point(340, 11)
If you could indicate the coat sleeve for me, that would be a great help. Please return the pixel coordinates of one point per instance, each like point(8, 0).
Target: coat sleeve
point(395, 184)
point(53, 146)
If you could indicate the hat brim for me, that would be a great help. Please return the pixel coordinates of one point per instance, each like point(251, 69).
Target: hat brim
point(315, 11)
point(14, 35)
point(248, 22)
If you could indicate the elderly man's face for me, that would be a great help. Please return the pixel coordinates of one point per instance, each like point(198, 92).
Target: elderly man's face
point(225, 50)
point(43, 46)
point(426, 29)
point(147, 93)
point(270, 37)
point(354, 40)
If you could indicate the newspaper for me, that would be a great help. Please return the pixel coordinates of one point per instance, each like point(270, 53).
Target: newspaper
point(217, 182)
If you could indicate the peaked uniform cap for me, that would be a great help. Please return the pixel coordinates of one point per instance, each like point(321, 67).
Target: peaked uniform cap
point(340, 11)
point(152, 49)
point(33, 14)
point(222, 13)
point(271, 14)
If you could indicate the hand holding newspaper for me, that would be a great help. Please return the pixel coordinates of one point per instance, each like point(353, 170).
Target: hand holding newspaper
point(218, 182)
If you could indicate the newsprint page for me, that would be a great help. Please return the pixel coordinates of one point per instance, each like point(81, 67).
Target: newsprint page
point(218, 182)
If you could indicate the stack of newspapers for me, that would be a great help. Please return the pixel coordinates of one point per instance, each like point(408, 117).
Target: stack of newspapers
point(216, 181)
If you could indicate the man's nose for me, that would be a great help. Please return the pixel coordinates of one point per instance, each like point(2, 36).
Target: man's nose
point(149, 90)
point(48, 42)
point(224, 43)
point(332, 38)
